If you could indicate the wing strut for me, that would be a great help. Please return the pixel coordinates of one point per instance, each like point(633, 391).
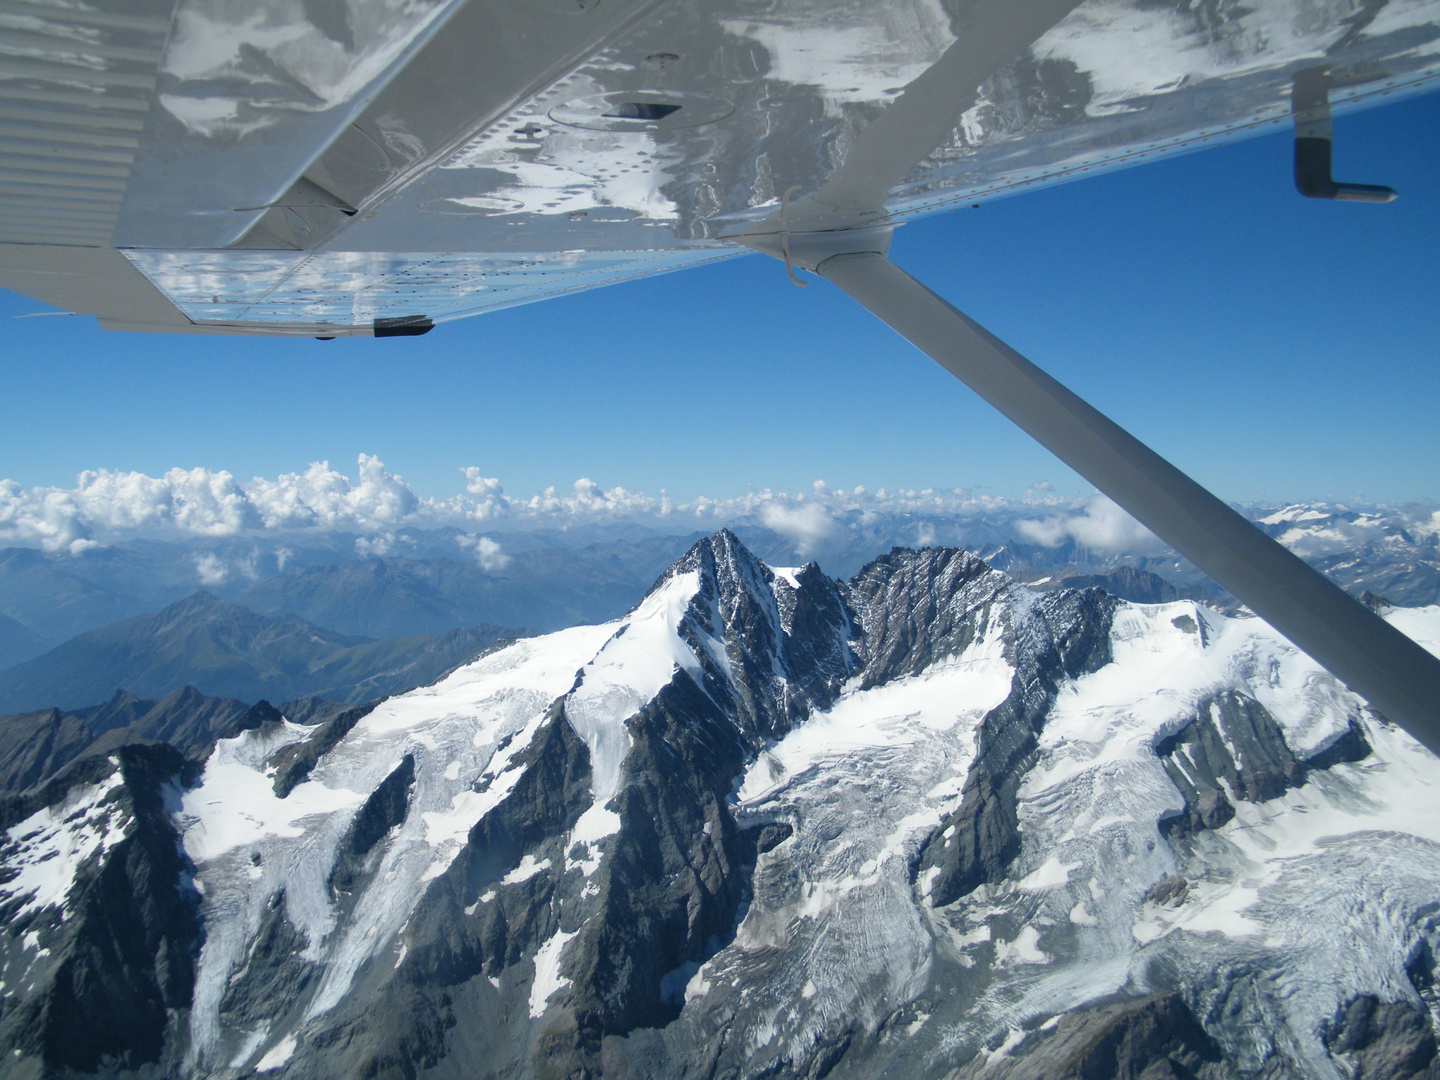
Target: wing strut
point(1397, 676)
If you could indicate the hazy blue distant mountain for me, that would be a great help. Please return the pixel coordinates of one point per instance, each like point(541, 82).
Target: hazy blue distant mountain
point(423, 581)
point(544, 580)
point(18, 642)
point(546, 588)
point(226, 650)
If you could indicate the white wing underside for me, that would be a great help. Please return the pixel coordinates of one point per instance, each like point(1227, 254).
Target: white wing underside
point(311, 168)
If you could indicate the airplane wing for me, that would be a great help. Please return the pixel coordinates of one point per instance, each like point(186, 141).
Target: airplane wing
point(330, 167)
point(336, 167)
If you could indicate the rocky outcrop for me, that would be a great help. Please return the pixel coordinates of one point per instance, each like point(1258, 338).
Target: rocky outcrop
point(293, 763)
point(1383, 1040)
point(664, 863)
point(918, 607)
point(915, 607)
point(107, 961)
point(1155, 1038)
point(276, 974)
point(481, 917)
point(1234, 747)
point(37, 745)
point(382, 811)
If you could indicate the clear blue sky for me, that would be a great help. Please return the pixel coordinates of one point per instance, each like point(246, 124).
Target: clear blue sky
point(1274, 347)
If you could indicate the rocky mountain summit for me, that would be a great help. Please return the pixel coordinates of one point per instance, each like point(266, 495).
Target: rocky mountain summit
point(926, 822)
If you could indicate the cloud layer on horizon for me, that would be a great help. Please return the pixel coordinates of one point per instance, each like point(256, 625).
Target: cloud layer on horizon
point(106, 505)
point(201, 502)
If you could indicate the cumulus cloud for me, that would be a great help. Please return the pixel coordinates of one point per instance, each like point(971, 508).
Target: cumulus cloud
point(486, 552)
point(1101, 526)
point(489, 496)
point(199, 502)
point(376, 506)
point(211, 569)
point(806, 525)
point(382, 544)
point(323, 498)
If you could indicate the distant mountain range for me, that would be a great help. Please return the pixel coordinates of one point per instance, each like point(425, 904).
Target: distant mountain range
point(547, 589)
point(427, 585)
point(420, 582)
point(226, 650)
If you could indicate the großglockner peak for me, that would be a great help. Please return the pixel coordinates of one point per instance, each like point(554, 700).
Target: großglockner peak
point(923, 823)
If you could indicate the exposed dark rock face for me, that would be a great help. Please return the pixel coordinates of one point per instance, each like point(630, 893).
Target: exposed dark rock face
point(122, 710)
point(34, 746)
point(1125, 582)
point(1155, 1038)
point(187, 720)
point(294, 763)
point(1170, 891)
point(1383, 1040)
point(455, 939)
point(1234, 744)
point(275, 976)
point(120, 958)
point(917, 607)
point(817, 625)
point(383, 810)
point(257, 716)
point(674, 874)
point(311, 710)
point(530, 948)
point(1349, 747)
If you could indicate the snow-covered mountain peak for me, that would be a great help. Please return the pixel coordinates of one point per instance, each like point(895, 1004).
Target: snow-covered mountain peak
point(924, 823)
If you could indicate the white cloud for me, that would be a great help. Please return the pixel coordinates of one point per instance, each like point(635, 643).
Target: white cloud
point(377, 506)
point(323, 498)
point(365, 546)
point(199, 502)
point(377, 503)
point(486, 552)
point(489, 496)
point(1101, 526)
point(212, 569)
point(806, 525)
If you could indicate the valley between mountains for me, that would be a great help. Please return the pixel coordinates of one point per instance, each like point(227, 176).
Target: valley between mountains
point(925, 822)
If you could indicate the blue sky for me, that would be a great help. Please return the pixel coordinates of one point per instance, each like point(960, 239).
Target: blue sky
point(1274, 347)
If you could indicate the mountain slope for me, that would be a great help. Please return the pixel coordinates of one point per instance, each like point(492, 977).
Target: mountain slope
point(37, 747)
point(925, 823)
point(225, 650)
point(18, 642)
